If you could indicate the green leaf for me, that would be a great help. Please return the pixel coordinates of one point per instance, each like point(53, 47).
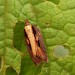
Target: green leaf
point(56, 21)
point(9, 55)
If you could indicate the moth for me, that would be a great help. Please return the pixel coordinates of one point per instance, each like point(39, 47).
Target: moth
point(35, 43)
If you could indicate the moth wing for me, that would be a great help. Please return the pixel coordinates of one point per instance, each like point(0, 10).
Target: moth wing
point(40, 41)
point(39, 35)
point(35, 59)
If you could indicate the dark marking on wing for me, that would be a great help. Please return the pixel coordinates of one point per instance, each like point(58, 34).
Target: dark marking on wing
point(40, 42)
point(39, 35)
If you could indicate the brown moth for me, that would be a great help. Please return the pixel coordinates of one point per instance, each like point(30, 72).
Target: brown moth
point(35, 44)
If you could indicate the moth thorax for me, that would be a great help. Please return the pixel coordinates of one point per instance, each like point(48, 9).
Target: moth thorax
point(28, 29)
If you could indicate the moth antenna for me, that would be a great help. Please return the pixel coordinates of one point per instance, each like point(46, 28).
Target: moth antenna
point(27, 20)
point(35, 13)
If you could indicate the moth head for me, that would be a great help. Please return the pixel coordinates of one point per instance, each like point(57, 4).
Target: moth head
point(28, 29)
point(27, 22)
